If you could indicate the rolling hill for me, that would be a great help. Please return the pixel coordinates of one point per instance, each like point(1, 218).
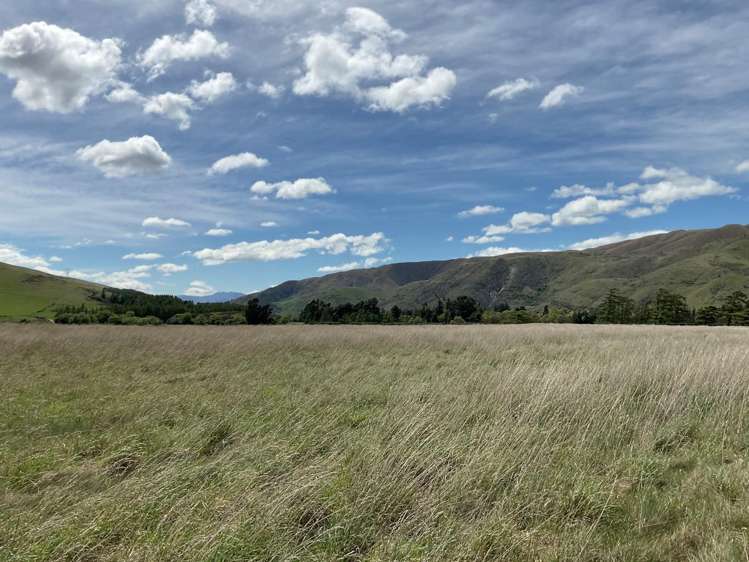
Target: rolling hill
point(702, 265)
point(27, 293)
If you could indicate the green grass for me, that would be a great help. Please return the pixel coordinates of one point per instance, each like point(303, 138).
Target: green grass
point(374, 443)
point(25, 293)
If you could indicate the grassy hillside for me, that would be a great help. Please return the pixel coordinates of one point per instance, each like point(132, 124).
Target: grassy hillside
point(703, 265)
point(439, 443)
point(26, 293)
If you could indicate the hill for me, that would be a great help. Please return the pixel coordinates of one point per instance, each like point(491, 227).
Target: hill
point(27, 293)
point(702, 265)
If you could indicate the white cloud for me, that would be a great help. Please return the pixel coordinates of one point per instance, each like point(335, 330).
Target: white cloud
point(56, 69)
point(613, 239)
point(588, 210)
point(674, 185)
point(213, 88)
point(365, 264)
point(169, 105)
point(640, 212)
point(510, 90)
point(200, 12)
point(494, 251)
point(158, 222)
point(355, 56)
point(274, 250)
point(299, 189)
point(577, 190)
point(368, 22)
point(558, 96)
point(12, 255)
point(480, 211)
point(137, 155)
point(171, 268)
point(483, 239)
point(743, 167)
point(219, 232)
point(124, 93)
point(149, 256)
point(417, 91)
point(267, 89)
point(55, 259)
point(170, 48)
point(667, 186)
point(523, 223)
point(200, 289)
point(130, 279)
point(237, 161)
point(269, 224)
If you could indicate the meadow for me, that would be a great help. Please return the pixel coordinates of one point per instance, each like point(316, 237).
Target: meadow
point(517, 443)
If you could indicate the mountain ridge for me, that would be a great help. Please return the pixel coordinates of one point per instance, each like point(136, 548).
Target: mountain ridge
point(704, 265)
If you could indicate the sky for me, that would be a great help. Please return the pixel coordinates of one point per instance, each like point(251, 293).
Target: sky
point(194, 146)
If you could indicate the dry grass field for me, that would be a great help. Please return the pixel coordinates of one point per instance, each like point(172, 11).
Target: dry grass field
point(374, 443)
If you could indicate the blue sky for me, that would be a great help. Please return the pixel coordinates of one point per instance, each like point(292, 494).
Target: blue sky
point(188, 146)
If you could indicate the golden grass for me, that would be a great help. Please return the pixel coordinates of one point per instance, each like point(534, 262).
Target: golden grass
point(374, 443)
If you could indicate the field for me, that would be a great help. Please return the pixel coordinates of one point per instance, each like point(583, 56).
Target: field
point(374, 443)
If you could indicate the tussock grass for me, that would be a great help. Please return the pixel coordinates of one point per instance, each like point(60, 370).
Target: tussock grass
point(374, 443)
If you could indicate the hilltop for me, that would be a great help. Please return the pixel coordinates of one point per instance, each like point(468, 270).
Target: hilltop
point(702, 265)
point(27, 293)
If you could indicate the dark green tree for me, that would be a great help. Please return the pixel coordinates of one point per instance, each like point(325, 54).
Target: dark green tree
point(257, 314)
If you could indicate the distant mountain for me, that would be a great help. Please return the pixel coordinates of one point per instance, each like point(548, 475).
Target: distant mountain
point(702, 265)
point(217, 298)
point(27, 293)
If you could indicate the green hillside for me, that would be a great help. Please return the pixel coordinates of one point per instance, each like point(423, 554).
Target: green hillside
point(702, 265)
point(26, 293)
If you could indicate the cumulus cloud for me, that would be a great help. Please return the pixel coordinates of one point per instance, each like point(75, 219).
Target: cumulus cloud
point(480, 211)
point(13, 255)
point(269, 224)
point(200, 12)
point(417, 91)
point(523, 223)
point(267, 89)
point(299, 189)
point(135, 156)
point(149, 256)
point(483, 239)
point(672, 185)
point(56, 69)
point(350, 266)
point(215, 87)
point(660, 189)
point(512, 89)
point(275, 250)
point(494, 251)
point(577, 190)
point(237, 161)
point(357, 55)
point(170, 105)
point(124, 93)
point(200, 289)
point(158, 222)
point(219, 232)
point(132, 279)
point(171, 48)
point(613, 239)
point(170, 268)
point(743, 167)
point(559, 95)
point(588, 210)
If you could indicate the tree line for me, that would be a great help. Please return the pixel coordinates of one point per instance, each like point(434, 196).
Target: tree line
point(667, 308)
